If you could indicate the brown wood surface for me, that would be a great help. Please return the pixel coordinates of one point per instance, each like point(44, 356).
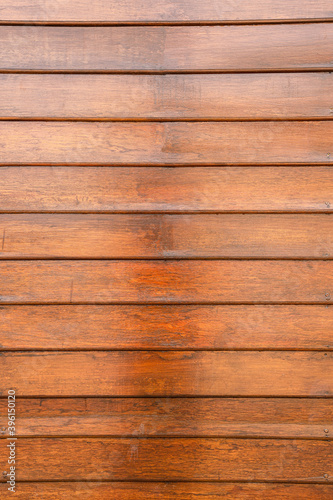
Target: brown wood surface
point(137, 97)
point(170, 281)
point(196, 417)
point(168, 331)
point(166, 327)
point(166, 236)
point(167, 143)
point(173, 459)
point(162, 11)
point(170, 48)
point(170, 491)
point(186, 189)
point(190, 373)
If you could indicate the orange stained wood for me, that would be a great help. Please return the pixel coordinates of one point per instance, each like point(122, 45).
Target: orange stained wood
point(166, 282)
point(168, 373)
point(164, 327)
point(166, 97)
point(125, 490)
point(183, 417)
point(166, 245)
point(177, 459)
point(291, 47)
point(183, 11)
point(157, 189)
point(169, 143)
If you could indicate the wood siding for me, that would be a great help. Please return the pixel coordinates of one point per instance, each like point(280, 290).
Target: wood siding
point(166, 245)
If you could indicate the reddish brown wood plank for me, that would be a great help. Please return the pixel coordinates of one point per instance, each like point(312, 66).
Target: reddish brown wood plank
point(228, 96)
point(168, 143)
point(166, 236)
point(158, 48)
point(170, 491)
point(223, 281)
point(166, 327)
point(278, 418)
point(170, 373)
point(130, 189)
point(172, 459)
point(162, 11)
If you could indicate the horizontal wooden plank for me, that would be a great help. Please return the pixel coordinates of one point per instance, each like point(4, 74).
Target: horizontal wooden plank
point(226, 96)
point(278, 418)
point(158, 48)
point(169, 491)
point(167, 373)
point(162, 11)
point(166, 327)
point(166, 236)
point(170, 281)
point(168, 143)
point(171, 459)
point(130, 189)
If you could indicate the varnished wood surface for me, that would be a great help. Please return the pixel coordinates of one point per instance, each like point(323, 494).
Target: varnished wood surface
point(199, 417)
point(170, 373)
point(171, 491)
point(162, 11)
point(166, 327)
point(170, 281)
point(171, 48)
point(166, 236)
point(150, 189)
point(168, 143)
point(186, 96)
point(173, 459)
point(168, 331)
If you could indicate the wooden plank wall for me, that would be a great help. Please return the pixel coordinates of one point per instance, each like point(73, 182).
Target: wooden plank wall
point(166, 243)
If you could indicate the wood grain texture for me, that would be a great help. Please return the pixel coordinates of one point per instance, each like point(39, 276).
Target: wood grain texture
point(172, 459)
point(168, 143)
point(166, 236)
point(162, 11)
point(158, 48)
point(160, 374)
point(196, 417)
point(157, 353)
point(130, 97)
point(170, 491)
point(166, 327)
point(186, 189)
point(171, 281)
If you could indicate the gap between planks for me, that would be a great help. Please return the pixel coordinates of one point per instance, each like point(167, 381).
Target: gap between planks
point(102, 24)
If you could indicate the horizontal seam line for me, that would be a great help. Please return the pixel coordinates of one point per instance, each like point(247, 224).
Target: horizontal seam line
point(323, 69)
point(164, 349)
point(163, 436)
point(174, 22)
point(323, 482)
point(174, 258)
point(184, 396)
point(167, 120)
point(169, 212)
point(152, 303)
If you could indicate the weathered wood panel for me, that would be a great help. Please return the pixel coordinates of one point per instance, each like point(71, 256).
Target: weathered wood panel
point(159, 48)
point(166, 236)
point(170, 373)
point(186, 96)
point(166, 327)
point(170, 491)
point(172, 459)
point(162, 11)
point(196, 417)
point(157, 189)
point(223, 281)
point(168, 143)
